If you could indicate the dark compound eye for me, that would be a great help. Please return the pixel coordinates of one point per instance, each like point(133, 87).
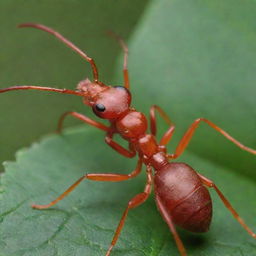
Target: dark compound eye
point(119, 87)
point(100, 107)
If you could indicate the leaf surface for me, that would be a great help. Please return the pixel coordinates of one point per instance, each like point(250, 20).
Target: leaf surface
point(84, 222)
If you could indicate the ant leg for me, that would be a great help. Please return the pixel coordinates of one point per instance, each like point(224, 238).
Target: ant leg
point(68, 43)
point(125, 49)
point(169, 222)
point(117, 147)
point(153, 118)
point(168, 134)
point(210, 184)
point(189, 133)
point(133, 203)
point(96, 177)
point(32, 87)
point(82, 118)
point(101, 126)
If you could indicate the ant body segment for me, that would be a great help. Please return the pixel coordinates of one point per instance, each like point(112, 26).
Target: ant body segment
point(181, 196)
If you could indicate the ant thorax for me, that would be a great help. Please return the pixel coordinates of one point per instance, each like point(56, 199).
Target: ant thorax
point(132, 125)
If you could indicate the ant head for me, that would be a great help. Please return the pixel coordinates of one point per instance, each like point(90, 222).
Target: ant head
point(107, 102)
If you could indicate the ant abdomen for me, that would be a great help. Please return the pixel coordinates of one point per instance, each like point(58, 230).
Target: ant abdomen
point(185, 199)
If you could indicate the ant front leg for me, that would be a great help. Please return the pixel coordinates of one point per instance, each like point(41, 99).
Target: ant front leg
point(82, 118)
point(189, 133)
point(117, 147)
point(96, 177)
point(133, 203)
point(211, 184)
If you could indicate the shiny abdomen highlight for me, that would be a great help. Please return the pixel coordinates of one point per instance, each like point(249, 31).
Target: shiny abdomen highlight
point(184, 197)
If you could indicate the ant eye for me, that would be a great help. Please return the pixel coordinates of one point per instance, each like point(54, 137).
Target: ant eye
point(119, 87)
point(100, 107)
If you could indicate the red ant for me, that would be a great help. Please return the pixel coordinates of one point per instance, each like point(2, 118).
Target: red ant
point(181, 194)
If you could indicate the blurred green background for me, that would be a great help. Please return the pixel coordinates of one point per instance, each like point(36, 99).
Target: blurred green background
point(195, 59)
point(33, 57)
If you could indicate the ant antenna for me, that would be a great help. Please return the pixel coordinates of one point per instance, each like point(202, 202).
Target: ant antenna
point(125, 49)
point(67, 42)
point(33, 87)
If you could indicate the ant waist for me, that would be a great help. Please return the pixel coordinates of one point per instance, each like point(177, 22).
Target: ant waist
point(151, 153)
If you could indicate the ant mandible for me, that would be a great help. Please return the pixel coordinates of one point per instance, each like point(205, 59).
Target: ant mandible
point(181, 194)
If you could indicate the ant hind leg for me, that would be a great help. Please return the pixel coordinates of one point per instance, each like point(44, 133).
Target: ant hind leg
point(211, 184)
point(168, 220)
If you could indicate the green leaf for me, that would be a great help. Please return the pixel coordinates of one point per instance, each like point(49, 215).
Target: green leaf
point(84, 222)
point(194, 59)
